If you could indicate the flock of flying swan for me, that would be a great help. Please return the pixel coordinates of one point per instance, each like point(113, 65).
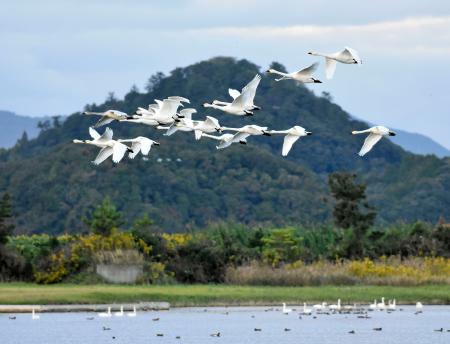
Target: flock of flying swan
point(165, 115)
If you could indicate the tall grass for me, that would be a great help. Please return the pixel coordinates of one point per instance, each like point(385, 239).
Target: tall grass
point(386, 271)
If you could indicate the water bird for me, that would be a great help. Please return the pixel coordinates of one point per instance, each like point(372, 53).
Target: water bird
point(108, 116)
point(242, 134)
point(155, 319)
point(34, 316)
point(304, 75)
point(439, 330)
point(217, 334)
point(419, 306)
point(243, 102)
point(160, 335)
point(306, 310)
point(377, 329)
point(347, 56)
point(381, 305)
point(286, 329)
point(320, 306)
point(106, 328)
point(286, 310)
point(90, 318)
point(139, 144)
point(120, 313)
point(336, 307)
point(107, 144)
point(12, 318)
point(105, 315)
point(133, 313)
point(375, 135)
point(351, 332)
point(392, 305)
point(257, 329)
point(177, 337)
point(292, 135)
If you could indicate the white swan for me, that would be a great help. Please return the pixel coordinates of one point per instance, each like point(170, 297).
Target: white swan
point(306, 310)
point(140, 144)
point(419, 306)
point(105, 315)
point(224, 138)
point(34, 316)
point(107, 144)
point(304, 75)
point(292, 135)
point(381, 305)
point(373, 305)
point(242, 104)
point(336, 307)
point(286, 310)
point(347, 56)
point(133, 313)
point(108, 116)
point(163, 112)
point(392, 305)
point(120, 313)
point(375, 135)
point(209, 125)
point(184, 124)
point(243, 133)
point(320, 306)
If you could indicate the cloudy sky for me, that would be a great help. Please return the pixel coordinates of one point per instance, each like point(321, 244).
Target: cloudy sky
point(56, 56)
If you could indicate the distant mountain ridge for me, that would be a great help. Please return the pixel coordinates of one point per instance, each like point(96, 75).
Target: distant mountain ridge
point(419, 144)
point(12, 127)
point(187, 183)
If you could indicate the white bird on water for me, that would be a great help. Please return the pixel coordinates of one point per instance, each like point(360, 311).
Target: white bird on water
point(392, 306)
point(108, 116)
point(347, 56)
point(304, 75)
point(336, 307)
point(292, 135)
point(286, 310)
point(105, 314)
point(133, 313)
point(243, 102)
point(306, 310)
point(34, 316)
point(375, 135)
point(381, 305)
point(140, 144)
point(120, 313)
point(107, 144)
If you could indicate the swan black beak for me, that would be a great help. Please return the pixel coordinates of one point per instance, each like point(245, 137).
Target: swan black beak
point(130, 150)
point(265, 133)
point(308, 133)
point(256, 108)
point(243, 142)
point(248, 113)
point(219, 130)
point(156, 143)
point(130, 117)
point(268, 71)
point(317, 81)
point(391, 133)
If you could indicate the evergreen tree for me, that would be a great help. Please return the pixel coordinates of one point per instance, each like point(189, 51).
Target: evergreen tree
point(104, 218)
point(351, 211)
point(6, 225)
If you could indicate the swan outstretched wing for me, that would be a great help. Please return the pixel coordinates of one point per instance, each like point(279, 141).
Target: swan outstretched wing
point(103, 121)
point(104, 154)
point(308, 70)
point(172, 130)
point(330, 67)
point(233, 93)
point(187, 113)
point(107, 135)
point(146, 145)
point(369, 142)
point(94, 134)
point(135, 147)
point(169, 108)
point(211, 121)
point(119, 150)
point(289, 140)
point(249, 91)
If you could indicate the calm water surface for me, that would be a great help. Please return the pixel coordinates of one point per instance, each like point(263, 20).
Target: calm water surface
point(194, 325)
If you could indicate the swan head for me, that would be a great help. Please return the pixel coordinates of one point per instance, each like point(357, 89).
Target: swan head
point(156, 143)
point(312, 53)
point(270, 70)
point(392, 133)
point(354, 132)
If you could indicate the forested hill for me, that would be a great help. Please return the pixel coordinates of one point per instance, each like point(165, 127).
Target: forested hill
point(54, 185)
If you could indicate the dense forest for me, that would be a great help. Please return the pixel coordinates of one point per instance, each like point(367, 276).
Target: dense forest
point(188, 184)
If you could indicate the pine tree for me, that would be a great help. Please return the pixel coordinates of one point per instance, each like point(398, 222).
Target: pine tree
point(351, 211)
point(104, 218)
point(6, 224)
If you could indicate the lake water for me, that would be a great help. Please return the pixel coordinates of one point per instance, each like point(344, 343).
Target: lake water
point(236, 325)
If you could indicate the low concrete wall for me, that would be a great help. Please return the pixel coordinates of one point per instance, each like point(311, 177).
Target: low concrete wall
point(119, 273)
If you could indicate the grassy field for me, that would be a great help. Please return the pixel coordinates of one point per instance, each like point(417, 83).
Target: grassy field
point(203, 295)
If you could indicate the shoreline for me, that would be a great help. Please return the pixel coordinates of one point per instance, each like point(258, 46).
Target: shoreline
point(98, 297)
